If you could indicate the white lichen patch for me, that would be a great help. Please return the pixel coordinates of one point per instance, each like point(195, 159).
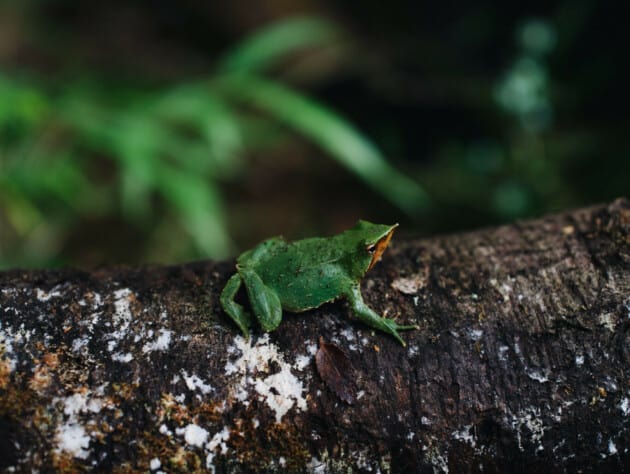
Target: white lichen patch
point(97, 300)
point(539, 375)
point(624, 406)
point(121, 320)
point(362, 460)
point(11, 341)
point(81, 402)
point(612, 447)
point(503, 350)
point(16, 311)
point(79, 344)
point(530, 420)
point(504, 289)
point(281, 390)
point(194, 435)
point(217, 441)
point(302, 361)
point(437, 459)
point(517, 347)
point(194, 382)
point(6, 347)
point(474, 334)
point(162, 342)
point(608, 320)
point(610, 384)
point(71, 436)
point(91, 321)
point(465, 435)
point(348, 334)
point(413, 350)
point(316, 466)
point(122, 308)
point(45, 296)
point(122, 357)
point(164, 430)
point(311, 348)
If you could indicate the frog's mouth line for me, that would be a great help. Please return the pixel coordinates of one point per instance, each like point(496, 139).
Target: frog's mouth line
point(381, 245)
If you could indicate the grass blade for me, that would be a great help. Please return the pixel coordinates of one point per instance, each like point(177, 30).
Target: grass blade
point(266, 46)
point(332, 133)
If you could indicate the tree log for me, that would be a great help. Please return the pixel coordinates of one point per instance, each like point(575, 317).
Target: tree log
point(520, 363)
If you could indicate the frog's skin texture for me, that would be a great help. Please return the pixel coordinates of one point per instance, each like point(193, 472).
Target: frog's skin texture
point(303, 275)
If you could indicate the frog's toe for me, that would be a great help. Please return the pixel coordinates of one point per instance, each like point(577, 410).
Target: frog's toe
point(407, 327)
point(393, 328)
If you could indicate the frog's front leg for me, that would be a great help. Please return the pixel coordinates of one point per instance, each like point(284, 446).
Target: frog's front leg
point(232, 308)
point(371, 318)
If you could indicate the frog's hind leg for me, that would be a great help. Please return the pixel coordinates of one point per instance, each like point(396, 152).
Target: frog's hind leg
point(371, 318)
point(265, 302)
point(232, 308)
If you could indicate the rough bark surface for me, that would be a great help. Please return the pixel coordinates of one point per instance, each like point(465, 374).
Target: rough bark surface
point(520, 365)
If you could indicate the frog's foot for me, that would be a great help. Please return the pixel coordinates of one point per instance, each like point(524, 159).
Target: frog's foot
point(232, 308)
point(370, 317)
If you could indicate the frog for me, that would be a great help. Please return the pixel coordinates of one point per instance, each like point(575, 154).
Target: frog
point(306, 274)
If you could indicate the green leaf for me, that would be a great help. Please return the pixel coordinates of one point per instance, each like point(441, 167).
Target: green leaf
point(331, 132)
point(199, 207)
point(266, 46)
point(214, 121)
point(21, 103)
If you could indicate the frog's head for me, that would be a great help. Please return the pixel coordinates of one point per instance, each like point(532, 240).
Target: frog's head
point(370, 241)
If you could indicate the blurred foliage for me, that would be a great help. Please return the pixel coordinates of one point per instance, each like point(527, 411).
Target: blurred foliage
point(171, 148)
point(485, 115)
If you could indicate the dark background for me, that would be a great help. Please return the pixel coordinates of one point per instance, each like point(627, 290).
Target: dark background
point(496, 111)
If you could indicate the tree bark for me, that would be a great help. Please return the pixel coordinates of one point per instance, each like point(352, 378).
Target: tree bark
point(520, 363)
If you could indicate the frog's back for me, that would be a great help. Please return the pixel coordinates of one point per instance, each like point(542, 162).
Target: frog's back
point(305, 274)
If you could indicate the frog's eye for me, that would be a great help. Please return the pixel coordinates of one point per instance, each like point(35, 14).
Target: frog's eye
point(371, 248)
